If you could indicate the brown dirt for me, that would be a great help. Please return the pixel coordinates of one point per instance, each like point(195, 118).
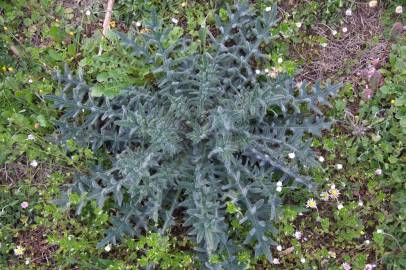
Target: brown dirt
point(36, 247)
point(19, 170)
point(346, 54)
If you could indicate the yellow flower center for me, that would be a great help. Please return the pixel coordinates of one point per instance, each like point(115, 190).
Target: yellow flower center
point(334, 193)
point(312, 204)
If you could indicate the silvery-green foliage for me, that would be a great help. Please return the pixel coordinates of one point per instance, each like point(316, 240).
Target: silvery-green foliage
point(209, 129)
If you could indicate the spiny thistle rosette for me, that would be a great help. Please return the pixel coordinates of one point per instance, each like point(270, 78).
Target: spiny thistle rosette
point(208, 130)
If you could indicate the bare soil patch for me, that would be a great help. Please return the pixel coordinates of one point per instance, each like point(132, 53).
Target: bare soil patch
point(346, 54)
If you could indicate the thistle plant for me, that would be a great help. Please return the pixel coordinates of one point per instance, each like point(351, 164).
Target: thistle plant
point(205, 130)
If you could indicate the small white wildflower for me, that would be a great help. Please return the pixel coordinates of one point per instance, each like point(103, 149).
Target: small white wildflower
point(299, 24)
point(268, 9)
point(87, 12)
point(373, 3)
point(346, 266)
point(321, 159)
point(305, 239)
point(291, 155)
point(34, 163)
point(279, 189)
point(184, 4)
point(324, 45)
point(27, 261)
point(266, 70)
point(345, 30)
point(279, 248)
point(348, 12)
point(367, 242)
point(378, 172)
point(324, 196)
point(300, 214)
point(340, 206)
point(30, 137)
point(311, 203)
point(19, 250)
point(399, 10)
point(360, 203)
point(298, 235)
point(138, 24)
point(280, 60)
point(174, 20)
point(302, 260)
point(332, 254)
point(279, 183)
point(369, 266)
point(30, 81)
point(334, 32)
point(379, 231)
point(107, 248)
point(339, 166)
point(257, 71)
point(276, 261)
point(334, 193)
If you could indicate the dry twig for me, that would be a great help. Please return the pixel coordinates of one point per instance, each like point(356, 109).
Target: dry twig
point(106, 23)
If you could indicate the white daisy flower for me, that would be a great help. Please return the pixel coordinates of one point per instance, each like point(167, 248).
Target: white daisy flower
point(334, 193)
point(348, 12)
point(268, 9)
point(321, 159)
point(19, 250)
point(340, 206)
point(280, 60)
point(30, 137)
point(311, 203)
point(345, 30)
point(302, 260)
point(373, 3)
point(276, 261)
point(279, 248)
point(298, 235)
point(87, 13)
point(324, 196)
point(292, 155)
point(299, 24)
point(107, 248)
point(378, 172)
point(399, 10)
point(339, 166)
point(34, 163)
point(174, 20)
